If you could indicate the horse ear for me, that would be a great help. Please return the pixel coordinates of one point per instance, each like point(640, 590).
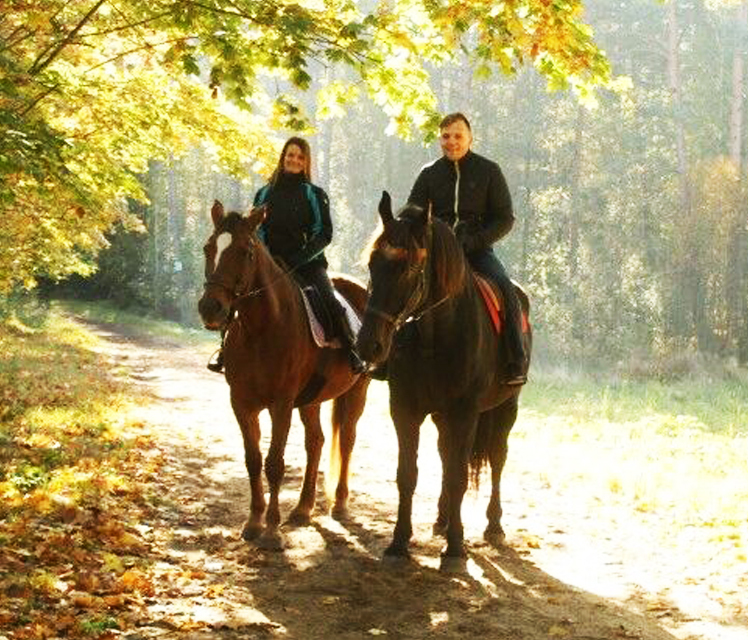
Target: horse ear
point(216, 212)
point(256, 216)
point(385, 208)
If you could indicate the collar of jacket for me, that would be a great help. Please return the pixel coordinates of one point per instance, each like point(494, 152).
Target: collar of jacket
point(461, 162)
point(286, 180)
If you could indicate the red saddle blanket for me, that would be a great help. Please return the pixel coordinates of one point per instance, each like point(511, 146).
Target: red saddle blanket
point(495, 304)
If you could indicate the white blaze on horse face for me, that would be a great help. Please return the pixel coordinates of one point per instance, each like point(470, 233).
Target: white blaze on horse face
point(222, 243)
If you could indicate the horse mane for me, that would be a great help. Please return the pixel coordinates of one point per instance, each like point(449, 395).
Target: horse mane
point(230, 221)
point(448, 263)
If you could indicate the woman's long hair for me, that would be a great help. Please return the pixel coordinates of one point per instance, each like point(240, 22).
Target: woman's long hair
point(305, 149)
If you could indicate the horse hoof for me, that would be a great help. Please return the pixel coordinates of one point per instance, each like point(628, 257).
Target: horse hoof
point(495, 538)
point(299, 519)
point(340, 513)
point(453, 564)
point(439, 529)
point(251, 531)
point(396, 557)
point(395, 562)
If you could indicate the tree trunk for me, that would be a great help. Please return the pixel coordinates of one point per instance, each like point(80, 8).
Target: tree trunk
point(737, 106)
point(687, 299)
point(738, 261)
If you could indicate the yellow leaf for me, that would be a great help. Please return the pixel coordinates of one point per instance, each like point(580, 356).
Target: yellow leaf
point(113, 563)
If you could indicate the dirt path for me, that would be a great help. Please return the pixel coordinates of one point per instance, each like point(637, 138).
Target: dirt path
point(330, 583)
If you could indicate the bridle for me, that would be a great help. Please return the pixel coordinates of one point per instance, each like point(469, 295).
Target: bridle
point(421, 289)
point(238, 292)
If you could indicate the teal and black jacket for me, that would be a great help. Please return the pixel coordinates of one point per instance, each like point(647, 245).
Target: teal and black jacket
point(298, 226)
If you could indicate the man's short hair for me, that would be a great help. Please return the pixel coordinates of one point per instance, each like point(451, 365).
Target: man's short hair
point(452, 118)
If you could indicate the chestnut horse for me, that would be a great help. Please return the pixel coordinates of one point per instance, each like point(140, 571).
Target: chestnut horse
point(426, 317)
point(272, 362)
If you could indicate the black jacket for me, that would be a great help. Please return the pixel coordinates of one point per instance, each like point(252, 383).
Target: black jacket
point(484, 205)
point(298, 225)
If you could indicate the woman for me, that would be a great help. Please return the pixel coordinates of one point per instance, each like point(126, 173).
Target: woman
point(296, 230)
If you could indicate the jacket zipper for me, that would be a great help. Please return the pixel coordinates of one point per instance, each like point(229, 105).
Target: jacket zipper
point(457, 191)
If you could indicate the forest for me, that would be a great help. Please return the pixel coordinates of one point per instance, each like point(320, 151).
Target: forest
point(619, 125)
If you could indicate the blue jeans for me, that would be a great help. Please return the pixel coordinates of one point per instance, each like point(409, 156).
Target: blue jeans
point(487, 264)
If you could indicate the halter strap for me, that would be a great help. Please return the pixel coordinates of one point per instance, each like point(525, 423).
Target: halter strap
point(409, 314)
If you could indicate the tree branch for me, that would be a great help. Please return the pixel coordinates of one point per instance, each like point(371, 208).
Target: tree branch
point(147, 45)
point(10, 43)
point(131, 25)
point(41, 64)
point(38, 99)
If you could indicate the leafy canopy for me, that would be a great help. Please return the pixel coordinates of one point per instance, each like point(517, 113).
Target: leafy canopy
point(91, 90)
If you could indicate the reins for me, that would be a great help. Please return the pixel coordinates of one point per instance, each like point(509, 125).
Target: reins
point(236, 294)
point(408, 314)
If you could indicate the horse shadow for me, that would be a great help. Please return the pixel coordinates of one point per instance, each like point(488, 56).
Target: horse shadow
point(330, 580)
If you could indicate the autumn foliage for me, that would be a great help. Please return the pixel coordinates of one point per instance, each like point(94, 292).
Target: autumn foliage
point(90, 92)
point(73, 484)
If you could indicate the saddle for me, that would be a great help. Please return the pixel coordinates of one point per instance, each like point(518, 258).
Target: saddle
point(320, 320)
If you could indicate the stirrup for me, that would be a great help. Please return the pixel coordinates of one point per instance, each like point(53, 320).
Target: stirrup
point(516, 381)
point(215, 364)
point(516, 376)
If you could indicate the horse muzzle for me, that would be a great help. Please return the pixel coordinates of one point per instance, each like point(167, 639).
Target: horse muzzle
point(212, 313)
point(373, 342)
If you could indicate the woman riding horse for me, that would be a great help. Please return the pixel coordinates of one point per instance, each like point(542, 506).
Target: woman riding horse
point(296, 230)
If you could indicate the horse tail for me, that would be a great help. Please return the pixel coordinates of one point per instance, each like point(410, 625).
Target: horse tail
point(333, 470)
point(491, 436)
point(481, 450)
point(346, 411)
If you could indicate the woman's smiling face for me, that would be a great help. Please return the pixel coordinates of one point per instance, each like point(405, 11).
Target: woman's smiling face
point(294, 161)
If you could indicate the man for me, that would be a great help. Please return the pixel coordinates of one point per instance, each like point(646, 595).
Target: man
point(469, 193)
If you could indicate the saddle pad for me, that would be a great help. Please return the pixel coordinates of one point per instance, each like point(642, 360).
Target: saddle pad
point(495, 304)
point(491, 300)
point(318, 332)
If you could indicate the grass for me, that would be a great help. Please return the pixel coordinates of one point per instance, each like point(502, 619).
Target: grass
point(140, 323)
point(675, 450)
point(711, 403)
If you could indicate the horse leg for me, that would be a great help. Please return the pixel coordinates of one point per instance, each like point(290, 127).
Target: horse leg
point(346, 411)
point(275, 468)
point(501, 420)
point(457, 427)
point(249, 424)
point(408, 434)
point(442, 520)
point(313, 441)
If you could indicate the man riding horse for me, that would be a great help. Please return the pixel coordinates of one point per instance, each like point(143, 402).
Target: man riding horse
point(469, 192)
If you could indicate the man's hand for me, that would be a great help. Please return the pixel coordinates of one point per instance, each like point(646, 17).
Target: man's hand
point(470, 236)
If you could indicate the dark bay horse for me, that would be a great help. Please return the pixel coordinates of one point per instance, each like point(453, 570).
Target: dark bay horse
point(426, 317)
point(272, 362)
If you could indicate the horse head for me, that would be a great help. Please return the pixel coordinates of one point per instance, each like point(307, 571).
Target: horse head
point(399, 276)
point(229, 262)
